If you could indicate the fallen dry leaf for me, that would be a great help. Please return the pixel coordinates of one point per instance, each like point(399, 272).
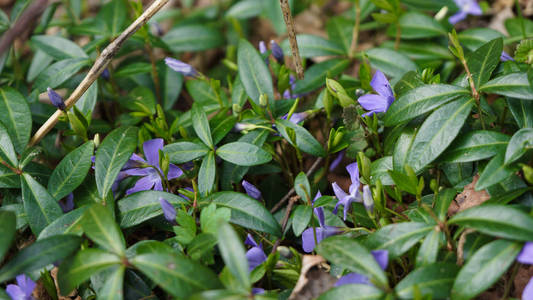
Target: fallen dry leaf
point(524, 274)
point(314, 279)
point(468, 198)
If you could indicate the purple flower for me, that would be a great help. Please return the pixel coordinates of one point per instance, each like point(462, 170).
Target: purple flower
point(251, 190)
point(255, 255)
point(335, 163)
point(322, 232)
point(262, 47)
point(257, 291)
point(56, 100)
point(296, 117)
point(277, 52)
point(347, 199)
point(380, 102)
point(368, 201)
point(105, 74)
point(381, 257)
point(526, 257)
point(22, 290)
point(181, 67)
point(466, 7)
point(67, 204)
point(505, 56)
point(168, 210)
point(150, 170)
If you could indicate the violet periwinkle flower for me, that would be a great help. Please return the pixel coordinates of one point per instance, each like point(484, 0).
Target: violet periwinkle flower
point(150, 169)
point(251, 190)
point(277, 52)
point(335, 163)
point(22, 290)
point(526, 257)
point(368, 200)
point(354, 196)
point(322, 232)
point(181, 67)
point(466, 7)
point(258, 291)
point(105, 74)
point(262, 47)
point(255, 255)
point(381, 257)
point(505, 56)
point(380, 102)
point(56, 100)
point(296, 117)
point(67, 204)
point(168, 210)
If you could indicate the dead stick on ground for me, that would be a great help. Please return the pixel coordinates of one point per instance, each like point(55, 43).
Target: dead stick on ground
point(291, 191)
point(99, 65)
point(286, 9)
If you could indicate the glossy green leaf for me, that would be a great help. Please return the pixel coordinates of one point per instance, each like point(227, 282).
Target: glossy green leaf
point(171, 85)
point(7, 150)
point(112, 154)
point(7, 231)
point(142, 206)
point(244, 9)
point(421, 100)
point(201, 125)
point(437, 132)
point(300, 218)
point(484, 268)
point(71, 171)
point(247, 212)
point(390, 62)
point(39, 254)
point(349, 254)
point(475, 145)
point(16, 117)
point(113, 287)
point(521, 141)
point(243, 154)
point(443, 202)
point(233, 254)
point(82, 266)
point(133, 69)
point(497, 220)
point(304, 140)
point(398, 238)
point(514, 85)
point(39, 62)
point(302, 187)
point(253, 72)
point(484, 60)
point(88, 99)
point(177, 275)
point(58, 72)
point(315, 76)
point(312, 46)
point(495, 172)
point(40, 207)
point(415, 25)
point(182, 152)
point(193, 37)
point(67, 223)
point(522, 111)
point(99, 226)
point(57, 47)
point(114, 14)
point(474, 38)
point(402, 148)
point(379, 169)
point(8, 179)
point(427, 254)
point(207, 174)
point(435, 280)
point(353, 292)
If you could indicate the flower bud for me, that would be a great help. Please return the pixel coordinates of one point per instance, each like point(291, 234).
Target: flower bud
point(277, 52)
point(56, 100)
point(181, 67)
point(368, 201)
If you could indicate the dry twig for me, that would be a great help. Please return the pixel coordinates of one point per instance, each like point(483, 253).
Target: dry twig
point(289, 22)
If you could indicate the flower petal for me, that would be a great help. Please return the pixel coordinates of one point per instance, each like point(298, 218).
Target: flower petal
point(352, 278)
point(251, 190)
point(15, 292)
point(459, 16)
point(381, 85)
point(255, 256)
point(173, 172)
point(382, 257)
point(151, 151)
point(353, 170)
point(527, 293)
point(168, 210)
point(250, 241)
point(143, 184)
point(319, 213)
point(139, 171)
point(26, 284)
point(526, 255)
point(374, 103)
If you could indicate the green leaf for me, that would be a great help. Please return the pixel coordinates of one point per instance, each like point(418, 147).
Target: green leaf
point(475, 37)
point(202, 92)
point(133, 69)
point(201, 125)
point(522, 111)
point(521, 141)
point(247, 212)
point(497, 220)
point(177, 275)
point(171, 85)
point(437, 132)
point(484, 268)
point(82, 266)
point(340, 30)
point(402, 148)
point(193, 38)
point(445, 198)
point(349, 254)
point(8, 179)
point(409, 81)
point(435, 280)
point(57, 47)
point(71, 171)
point(398, 238)
point(427, 254)
point(304, 140)
point(112, 289)
point(243, 154)
point(88, 99)
point(315, 76)
point(233, 254)
point(112, 154)
point(58, 72)
point(312, 46)
point(244, 9)
point(495, 172)
point(182, 152)
point(16, 117)
point(7, 231)
point(379, 169)
point(67, 223)
point(514, 85)
point(41, 208)
point(207, 174)
point(415, 25)
point(300, 218)
point(114, 14)
point(390, 62)
point(210, 217)
point(353, 292)
point(39, 254)
point(253, 72)
point(39, 62)
point(142, 206)
point(302, 187)
point(421, 100)
point(7, 150)
point(99, 226)
point(475, 145)
point(484, 60)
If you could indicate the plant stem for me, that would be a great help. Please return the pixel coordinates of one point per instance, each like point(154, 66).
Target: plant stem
point(475, 93)
point(289, 22)
point(292, 201)
point(398, 34)
point(355, 32)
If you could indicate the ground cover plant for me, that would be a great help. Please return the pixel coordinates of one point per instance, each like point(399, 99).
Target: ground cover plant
point(265, 149)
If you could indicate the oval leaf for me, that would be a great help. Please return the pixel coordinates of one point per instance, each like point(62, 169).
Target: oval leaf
point(514, 85)
point(99, 226)
point(390, 62)
point(57, 47)
point(253, 72)
point(16, 117)
point(521, 141)
point(435, 280)
point(41, 208)
point(398, 238)
point(233, 254)
point(7, 151)
point(142, 206)
point(475, 145)
point(8, 226)
point(243, 154)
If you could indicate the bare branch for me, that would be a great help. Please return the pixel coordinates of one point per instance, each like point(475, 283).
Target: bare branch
point(286, 9)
